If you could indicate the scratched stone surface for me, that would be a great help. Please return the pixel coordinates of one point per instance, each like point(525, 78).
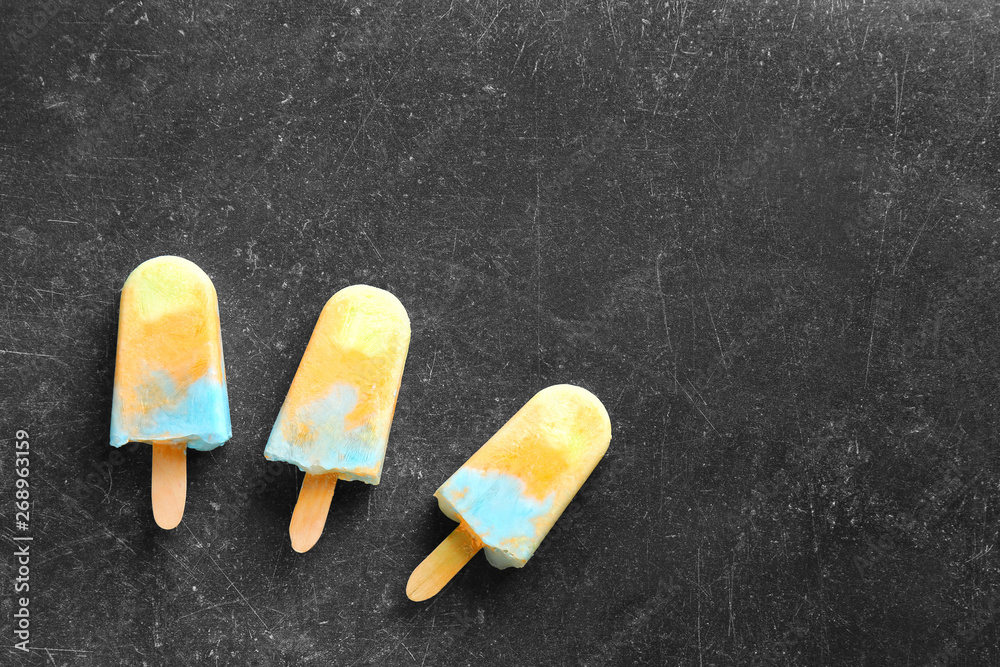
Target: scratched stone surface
point(764, 233)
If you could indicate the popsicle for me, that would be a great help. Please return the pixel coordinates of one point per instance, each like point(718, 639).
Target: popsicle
point(170, 378)
point(508, 495)
point(334, 423)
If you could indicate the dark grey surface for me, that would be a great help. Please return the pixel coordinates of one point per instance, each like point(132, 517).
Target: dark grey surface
point(764, 234)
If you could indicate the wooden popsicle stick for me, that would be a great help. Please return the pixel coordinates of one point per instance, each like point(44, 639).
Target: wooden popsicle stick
point(309, 516)
point(443, 563)
point(169, 487)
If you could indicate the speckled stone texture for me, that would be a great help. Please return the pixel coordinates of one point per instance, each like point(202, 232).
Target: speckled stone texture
point(763, 233)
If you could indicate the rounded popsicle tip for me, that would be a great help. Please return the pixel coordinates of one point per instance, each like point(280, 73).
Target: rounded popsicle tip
point(367, 320)
point(572, 393)
point(165, 285)
point(170, 269)
point(592, 417)
point(371, 300)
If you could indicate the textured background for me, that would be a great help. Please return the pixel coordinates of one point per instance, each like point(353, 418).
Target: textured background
point(764, 233)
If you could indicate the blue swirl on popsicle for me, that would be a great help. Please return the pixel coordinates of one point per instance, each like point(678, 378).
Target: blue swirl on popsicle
point(497, 507)
point(200, 411)
point(314, 437)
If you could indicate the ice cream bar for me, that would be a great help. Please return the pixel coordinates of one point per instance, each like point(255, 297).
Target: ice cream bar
point(334, 423)
point(508, 495)
point(170, 378)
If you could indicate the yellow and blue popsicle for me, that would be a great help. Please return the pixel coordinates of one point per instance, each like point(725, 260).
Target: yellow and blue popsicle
point(334, 423)
point(510, 493)
point(170, 377)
